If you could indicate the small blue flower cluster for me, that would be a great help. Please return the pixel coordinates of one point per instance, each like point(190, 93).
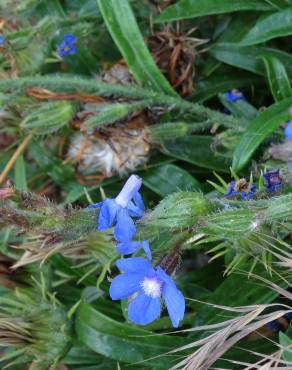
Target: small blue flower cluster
point(279, 325)
point(234, 95)
point(273, 181)
point(68, 46)
point(148, 283)
point(241, 188)
point(288, 130)
point(2, 40)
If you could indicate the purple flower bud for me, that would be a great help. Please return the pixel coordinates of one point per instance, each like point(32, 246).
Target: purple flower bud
point(129, 190)
point(121, 211)
point(242, 189)
point(273, 181)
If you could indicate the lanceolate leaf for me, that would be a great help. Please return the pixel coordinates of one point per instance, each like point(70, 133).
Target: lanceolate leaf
point(268, 27)
point(210, 87)
point(198, 8)
point(168, 179)
point(248, 58)
point(123, 342)
point(20, 174)
point(197, 150)
point(286, 343)
point(123, 27)
point(278, 79)
point(260, 128)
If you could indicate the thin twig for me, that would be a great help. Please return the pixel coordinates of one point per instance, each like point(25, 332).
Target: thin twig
point(13, 159)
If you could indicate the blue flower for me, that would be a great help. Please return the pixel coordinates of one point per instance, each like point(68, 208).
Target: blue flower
point(2, 40)
point(151, 285)
point(234, 95)
point(273, 325)
point(119, 211)
point(240, 188)
point(68, 46)
point(133, 246)
point(288, 130)
point(288, 316)
point(273, 181)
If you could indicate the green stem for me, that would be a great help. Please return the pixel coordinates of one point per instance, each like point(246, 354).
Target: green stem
point(70, 83)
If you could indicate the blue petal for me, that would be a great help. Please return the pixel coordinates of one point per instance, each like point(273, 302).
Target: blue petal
point(134, 211)
point(107, 214)
point(125, 228)
point(95, 205)
point(135, 264)
point(125, 285)
point(143, 309)
point(288, 130)
point(139, 201)
point(174, 299)
point(163, 276)
point(69, 38)
point(132, 247)
point(145, 245)
point(128, 248)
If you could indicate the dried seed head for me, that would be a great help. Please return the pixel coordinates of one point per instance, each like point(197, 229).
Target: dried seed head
point(115, 150)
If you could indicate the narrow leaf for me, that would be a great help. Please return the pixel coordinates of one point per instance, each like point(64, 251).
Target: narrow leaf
point(124, 29)
point(197, 150)
point(20, 174)
point(260, 128)
point(248, 58)
point(278, 79)
point(197, 8)
point(268, 27)
point(123, 342)
point(286, 342)
point(168, 179)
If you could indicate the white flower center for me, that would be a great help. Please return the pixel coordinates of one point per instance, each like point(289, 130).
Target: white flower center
point(151, 287)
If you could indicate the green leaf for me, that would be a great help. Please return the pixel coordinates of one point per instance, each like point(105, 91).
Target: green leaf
point(239, 108)
point(20, 174)
point(111, 113)
point(197, 8)
point(279, 4)
point(248, 57)
point(168, 179)
point(49, 117)
point(260, 128)
point(197, 150)
point(124, 29)
point(123, 342)
point(214, 85)
point(286, 343)
point(268, 27)
point(278, 79)
point(238, 26)
point(242, 291)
